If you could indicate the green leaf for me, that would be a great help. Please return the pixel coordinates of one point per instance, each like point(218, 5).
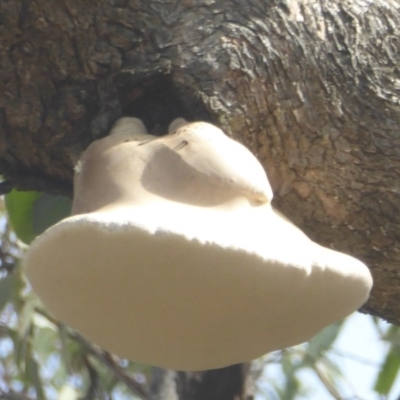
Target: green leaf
point(31, 213)
point(48, 210)
point(6, 289)
point(392, 335)
point(19, 208)
point(24, 329)
point(331, 367)
point(323, 341)
point(26, 314)
point(45, 343)
point(33, 376)
point(388, 373)
point(72, 352)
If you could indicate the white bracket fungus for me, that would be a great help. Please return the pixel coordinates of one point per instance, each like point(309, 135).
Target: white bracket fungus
point(174, 256)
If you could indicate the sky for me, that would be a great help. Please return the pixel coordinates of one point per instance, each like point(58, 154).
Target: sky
point(360, 338)
point(359, 352)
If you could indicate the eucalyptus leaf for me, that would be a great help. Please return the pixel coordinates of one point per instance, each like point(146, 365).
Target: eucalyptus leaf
point(24, 325)
point(323, 341)
point(6, 289)
point(331, 367)
point(48, 210)
point(33, 376)
point(72, 352)
point(26, 314)
point(388, 373)
point(45, 342)
point(31, 213)
point(19, 207)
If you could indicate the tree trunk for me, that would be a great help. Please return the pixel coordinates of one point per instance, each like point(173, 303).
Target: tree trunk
point(311, 87)
point(233, 383)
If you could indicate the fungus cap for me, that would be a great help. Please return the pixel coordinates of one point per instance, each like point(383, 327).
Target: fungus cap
point(175, 257)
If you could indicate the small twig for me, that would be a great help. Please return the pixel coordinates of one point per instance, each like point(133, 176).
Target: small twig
point(104, 357)
point(329, 387)
point(118, 372)
point(93, 378)
point(356, 358)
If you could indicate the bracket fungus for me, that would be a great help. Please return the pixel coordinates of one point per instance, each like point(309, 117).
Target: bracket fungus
point(175, 257)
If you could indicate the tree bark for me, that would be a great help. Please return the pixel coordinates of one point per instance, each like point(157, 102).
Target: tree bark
point(311, 87)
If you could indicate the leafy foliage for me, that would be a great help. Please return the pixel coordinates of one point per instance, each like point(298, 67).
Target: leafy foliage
point(40, 358)
point(391, 364)
point(31, 213)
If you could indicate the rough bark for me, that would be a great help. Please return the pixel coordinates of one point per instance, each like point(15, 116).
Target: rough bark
point(311, 86)
point(233, 382)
